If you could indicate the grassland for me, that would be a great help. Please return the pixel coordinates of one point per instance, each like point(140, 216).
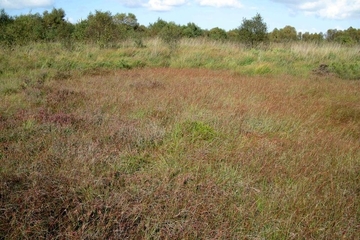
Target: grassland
point(203, 140)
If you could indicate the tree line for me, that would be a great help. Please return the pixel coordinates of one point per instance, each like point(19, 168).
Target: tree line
point(105, 29)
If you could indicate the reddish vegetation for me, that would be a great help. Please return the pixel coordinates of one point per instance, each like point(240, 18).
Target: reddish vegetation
point(182, 154)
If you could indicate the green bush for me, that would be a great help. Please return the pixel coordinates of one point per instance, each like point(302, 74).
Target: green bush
point(171, 35)
point(344, 70)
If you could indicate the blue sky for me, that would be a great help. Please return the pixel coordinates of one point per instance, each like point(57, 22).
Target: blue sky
point(304, 15)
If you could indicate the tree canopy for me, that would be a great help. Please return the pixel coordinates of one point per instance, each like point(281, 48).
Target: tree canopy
point(104, 28)
point(286, 34)
point(253, 31)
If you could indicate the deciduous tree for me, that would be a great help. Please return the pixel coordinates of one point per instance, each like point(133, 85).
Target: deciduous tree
point(253, 31)
point(56, 27)
point(191, 30)
point(286, 34)
point(101, 28)
point(217, 34)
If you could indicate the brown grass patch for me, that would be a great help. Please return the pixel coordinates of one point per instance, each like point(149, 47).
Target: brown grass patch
point(182, 154)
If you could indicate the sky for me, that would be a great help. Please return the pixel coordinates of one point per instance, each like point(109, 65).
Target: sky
point(312, 16)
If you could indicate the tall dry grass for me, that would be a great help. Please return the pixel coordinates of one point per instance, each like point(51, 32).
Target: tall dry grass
point(53, 60)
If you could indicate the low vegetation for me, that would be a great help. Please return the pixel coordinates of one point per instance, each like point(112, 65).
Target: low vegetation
point(204, 140)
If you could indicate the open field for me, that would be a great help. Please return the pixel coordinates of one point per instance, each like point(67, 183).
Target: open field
point(157, 143)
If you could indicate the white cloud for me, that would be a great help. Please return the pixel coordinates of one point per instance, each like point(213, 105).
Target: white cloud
point(134, 3)
point(331, 9)
point(164, 5)
point(19, 4)
point(220, 3)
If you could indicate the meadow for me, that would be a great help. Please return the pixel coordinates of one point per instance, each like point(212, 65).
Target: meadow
point(195, 140)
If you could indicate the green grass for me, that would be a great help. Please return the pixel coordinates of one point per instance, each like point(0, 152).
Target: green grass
point(208, 141)
point(55, 61)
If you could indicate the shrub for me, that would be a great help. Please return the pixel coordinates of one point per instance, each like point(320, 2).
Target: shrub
point(346, 70)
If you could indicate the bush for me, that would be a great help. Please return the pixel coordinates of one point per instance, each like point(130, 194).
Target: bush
point(344, 70)
point(171, 35)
